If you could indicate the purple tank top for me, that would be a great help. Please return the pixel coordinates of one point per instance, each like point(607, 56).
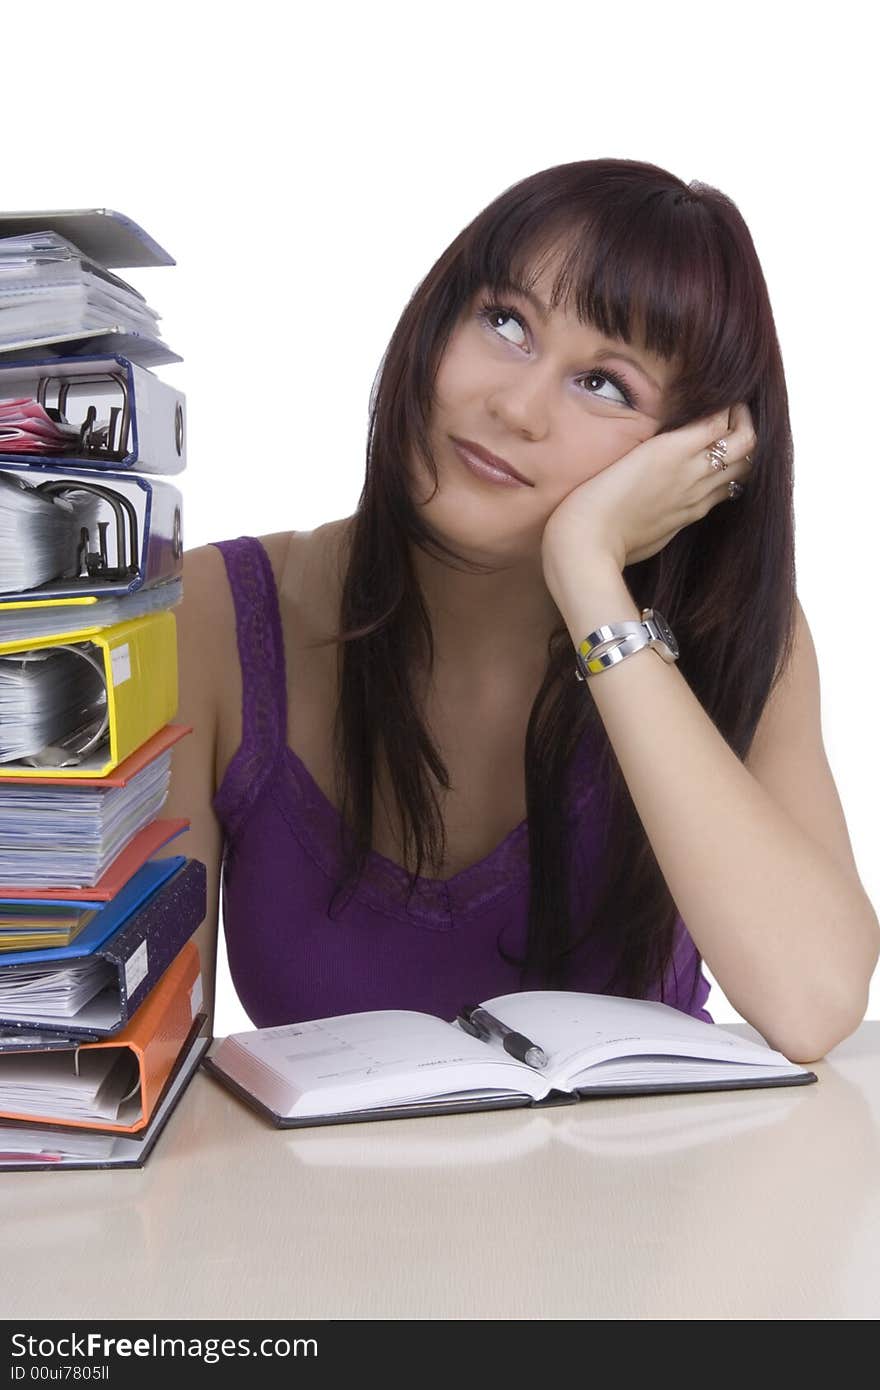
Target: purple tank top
point(289, 960)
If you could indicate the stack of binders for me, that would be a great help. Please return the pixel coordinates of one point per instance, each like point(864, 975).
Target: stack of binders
point(101, 1020)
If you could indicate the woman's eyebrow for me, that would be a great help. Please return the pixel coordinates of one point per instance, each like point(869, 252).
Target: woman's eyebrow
point(544, 313)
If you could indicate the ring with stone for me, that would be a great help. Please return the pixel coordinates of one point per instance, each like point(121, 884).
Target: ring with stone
point(716, 454)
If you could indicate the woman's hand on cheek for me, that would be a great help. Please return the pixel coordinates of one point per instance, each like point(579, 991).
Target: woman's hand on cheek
point(635, 506)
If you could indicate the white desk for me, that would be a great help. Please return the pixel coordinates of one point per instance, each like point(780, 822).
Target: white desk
point(758, 1204)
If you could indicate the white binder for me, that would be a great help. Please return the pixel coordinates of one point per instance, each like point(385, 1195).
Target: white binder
point(146, 429)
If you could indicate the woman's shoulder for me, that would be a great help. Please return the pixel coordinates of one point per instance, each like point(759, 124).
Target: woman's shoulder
point(210, 657)
point(208, 632)
point(302, 565)
point(206, 574)
point(279, 546)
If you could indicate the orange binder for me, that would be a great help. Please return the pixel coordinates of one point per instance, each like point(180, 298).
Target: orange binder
point(155, 1036)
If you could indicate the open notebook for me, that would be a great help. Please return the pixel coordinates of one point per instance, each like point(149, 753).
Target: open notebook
point(388, 1064)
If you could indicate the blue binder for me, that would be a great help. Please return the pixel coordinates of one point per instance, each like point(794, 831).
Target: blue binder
point(138, 934)
point(107, 919)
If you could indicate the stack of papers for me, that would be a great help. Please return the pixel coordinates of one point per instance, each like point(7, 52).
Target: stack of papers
point(38, 1146)
point(33, 926)
point(54, 1145)
point(27, 428)
point(51, 698)
point(82, 1084)
point(57, 993)
point(49, 290)
point(39, 534)
point(67, 836)
point(15, 623)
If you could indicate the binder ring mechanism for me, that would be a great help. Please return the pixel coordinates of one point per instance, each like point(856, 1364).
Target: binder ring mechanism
point(95, 564)
point(108, 440)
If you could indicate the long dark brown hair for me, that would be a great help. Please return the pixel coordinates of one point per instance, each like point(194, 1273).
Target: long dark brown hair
point(645, 256)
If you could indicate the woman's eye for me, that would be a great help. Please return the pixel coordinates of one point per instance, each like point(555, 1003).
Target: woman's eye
point(621, 394)
point(491, 314)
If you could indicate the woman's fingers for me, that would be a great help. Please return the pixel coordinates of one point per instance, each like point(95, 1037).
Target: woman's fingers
point(731, 452)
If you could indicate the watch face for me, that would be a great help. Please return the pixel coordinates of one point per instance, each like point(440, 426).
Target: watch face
point(665, 631)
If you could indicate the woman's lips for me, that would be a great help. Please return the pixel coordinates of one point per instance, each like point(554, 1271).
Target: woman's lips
point(488, 466)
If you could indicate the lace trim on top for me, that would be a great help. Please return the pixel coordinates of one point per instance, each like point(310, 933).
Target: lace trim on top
point(263, 679)
point(436, 903)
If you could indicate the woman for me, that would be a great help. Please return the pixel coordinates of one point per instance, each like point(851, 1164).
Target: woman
point(417, 800)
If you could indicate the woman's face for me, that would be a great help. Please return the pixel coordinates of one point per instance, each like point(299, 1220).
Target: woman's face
point(552, 397)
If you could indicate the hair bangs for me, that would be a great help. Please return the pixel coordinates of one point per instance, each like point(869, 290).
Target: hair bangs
point(640, 271)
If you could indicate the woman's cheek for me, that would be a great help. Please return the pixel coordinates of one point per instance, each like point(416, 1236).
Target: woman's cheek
point(589, 465)
point(625, 436)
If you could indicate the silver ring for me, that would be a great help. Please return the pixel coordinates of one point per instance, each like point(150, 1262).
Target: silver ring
point(734, 489)
point(716, 454)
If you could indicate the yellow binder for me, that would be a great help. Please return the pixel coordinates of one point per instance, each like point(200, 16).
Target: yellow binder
point(139, 663)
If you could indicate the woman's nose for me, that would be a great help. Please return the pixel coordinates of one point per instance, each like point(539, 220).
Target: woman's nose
point(522, 405)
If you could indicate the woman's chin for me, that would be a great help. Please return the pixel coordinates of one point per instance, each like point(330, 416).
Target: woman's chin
point(479, 537)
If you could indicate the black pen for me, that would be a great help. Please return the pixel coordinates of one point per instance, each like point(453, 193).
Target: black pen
point(480, 1023)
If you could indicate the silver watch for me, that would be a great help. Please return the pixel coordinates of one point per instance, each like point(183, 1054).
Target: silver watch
point(614, 642)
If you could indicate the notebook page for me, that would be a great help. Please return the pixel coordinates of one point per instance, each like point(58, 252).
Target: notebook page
point(326, 1066)
point(576, 1030)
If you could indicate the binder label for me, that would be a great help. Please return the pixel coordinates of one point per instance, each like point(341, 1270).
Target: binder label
point(135, 969)
point(120, 660)
point(196, 997)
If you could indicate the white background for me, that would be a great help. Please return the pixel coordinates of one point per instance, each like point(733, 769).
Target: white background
point(306, 167)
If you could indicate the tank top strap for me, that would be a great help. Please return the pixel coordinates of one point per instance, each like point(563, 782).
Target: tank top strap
point(263, 679)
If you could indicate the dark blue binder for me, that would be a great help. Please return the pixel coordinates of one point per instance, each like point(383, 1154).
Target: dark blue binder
point(138, 933)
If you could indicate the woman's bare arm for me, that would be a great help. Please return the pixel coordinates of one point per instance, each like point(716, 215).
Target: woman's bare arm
point(209, 678)
point(207, 660)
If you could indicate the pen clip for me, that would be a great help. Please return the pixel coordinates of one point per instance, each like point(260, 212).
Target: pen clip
point(467, 1027)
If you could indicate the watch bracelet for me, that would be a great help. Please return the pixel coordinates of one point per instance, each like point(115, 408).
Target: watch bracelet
point(605, 654)
point(610, 637)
